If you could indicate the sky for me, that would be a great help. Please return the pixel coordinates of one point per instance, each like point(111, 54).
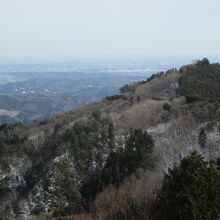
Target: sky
point(108, 27)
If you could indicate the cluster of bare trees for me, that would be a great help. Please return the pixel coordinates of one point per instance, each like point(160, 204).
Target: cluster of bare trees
point(132, 200)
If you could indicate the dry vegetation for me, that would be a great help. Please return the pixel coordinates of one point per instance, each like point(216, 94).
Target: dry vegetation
point(157, 87)
point(175, 130)
point(132, 200)
point(125, 113)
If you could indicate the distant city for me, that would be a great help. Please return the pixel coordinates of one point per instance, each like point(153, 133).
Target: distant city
point(36, 89)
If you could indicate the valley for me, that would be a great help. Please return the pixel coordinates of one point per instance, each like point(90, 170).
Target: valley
point(40, 90)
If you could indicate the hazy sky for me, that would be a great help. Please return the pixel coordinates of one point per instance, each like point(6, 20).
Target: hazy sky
point(93, 27)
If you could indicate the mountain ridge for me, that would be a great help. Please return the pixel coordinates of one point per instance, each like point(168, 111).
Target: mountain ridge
point(34, 155)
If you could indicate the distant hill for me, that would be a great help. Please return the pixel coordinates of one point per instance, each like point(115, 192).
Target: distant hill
point(36, 96)
point(118, 147)
point(23, 109)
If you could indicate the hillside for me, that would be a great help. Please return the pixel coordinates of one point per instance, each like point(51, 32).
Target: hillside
point(62, 164)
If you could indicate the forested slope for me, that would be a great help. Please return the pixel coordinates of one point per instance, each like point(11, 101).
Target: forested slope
point(109, 158)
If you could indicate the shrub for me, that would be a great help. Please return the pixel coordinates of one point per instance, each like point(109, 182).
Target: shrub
point(157, 98)
point(116, 97)
point(190, 99)
point(166, 107)
point(39, 209)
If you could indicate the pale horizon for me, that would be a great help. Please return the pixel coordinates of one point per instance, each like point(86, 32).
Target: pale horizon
point(37, 28)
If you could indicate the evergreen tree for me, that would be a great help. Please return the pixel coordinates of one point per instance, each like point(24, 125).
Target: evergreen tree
point(120, 164)
point(191, 191)
point(202, 138)
point(3, 147)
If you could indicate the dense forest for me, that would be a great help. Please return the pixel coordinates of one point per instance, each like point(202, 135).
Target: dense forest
point(200, 81)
